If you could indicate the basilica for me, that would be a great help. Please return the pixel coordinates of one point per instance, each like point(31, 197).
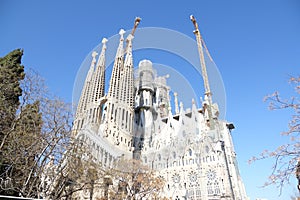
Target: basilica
point(191, 148)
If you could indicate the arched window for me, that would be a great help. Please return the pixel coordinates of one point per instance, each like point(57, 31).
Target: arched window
point(206, 149)
point(190, 152)
point(174, 154)
point(159, 157)
point(198, 193)
point(217, 188)
point(210, 190)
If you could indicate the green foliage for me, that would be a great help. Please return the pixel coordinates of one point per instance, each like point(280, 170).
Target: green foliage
point(24, 143)
point(11, 72)
point(39, 156)
point(19, 131)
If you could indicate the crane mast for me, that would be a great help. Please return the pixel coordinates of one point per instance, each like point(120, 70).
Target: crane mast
point(204, 72)
point(136, 23)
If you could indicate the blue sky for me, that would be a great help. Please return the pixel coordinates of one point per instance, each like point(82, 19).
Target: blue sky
point(255, 45)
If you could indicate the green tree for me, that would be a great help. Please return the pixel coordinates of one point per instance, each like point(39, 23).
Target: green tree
point(11, 73)
point(20, 151)
point(39, 156)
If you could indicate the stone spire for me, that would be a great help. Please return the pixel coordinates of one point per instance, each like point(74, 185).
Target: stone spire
point(92, 67)
point(127, 90)
point(84, 97)
point(114, 85)
point(94, 110)
point(127, 82)
point(88, 83)
point(118, 65)
point(98, 80)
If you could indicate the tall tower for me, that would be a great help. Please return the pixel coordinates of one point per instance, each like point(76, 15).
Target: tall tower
point(112, 128)
point(93, 89)
point(113, 91)
point(126, 93)
point(120, 99)
point(82, 104)
point(144, 101)
point(96, 100)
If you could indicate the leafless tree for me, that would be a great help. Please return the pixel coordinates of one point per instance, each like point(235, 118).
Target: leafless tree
point(286, 156)
point(42, 158)
point(134, 180)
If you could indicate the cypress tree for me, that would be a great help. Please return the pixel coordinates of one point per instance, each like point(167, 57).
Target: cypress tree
point(11, 73)
point(19, 130)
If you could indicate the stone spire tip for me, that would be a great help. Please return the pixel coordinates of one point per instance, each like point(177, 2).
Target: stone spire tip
point(94, 54)
point(181, 105)
point(193, 101)
point(104, 40)
point(129, 37)
point(122, 32)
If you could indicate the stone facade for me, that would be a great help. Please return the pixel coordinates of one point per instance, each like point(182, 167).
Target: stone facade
point(135, 120)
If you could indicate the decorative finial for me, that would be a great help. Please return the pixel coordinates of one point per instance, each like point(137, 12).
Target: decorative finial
point(181, 106)
point(94, 54)
point(193, 101)
point(129, 37)
point(120, 50)
point(122, 32)
point(104, 40)
point(101, 59)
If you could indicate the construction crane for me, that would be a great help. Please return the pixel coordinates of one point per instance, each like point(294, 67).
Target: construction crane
point(136, 23)
point(208, 93)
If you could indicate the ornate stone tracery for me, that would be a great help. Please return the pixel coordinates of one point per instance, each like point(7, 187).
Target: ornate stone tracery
point(135, 119)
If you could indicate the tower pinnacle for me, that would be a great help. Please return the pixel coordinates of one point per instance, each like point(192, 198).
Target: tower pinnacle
point(98, 80)
point(176, 103)
point(118, 65)
point(101, 60)
point(92, 66)
point(120, 48)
